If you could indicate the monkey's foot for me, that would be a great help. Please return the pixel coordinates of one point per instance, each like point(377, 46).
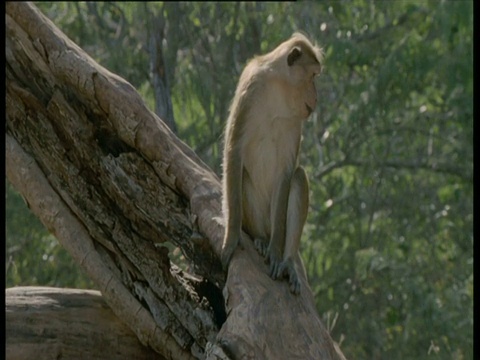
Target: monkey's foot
point(275, 260)
point(287, 269)
point(261, 246)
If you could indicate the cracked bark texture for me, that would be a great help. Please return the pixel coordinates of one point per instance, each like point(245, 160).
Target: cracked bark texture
point(109, 179)
point(74, 324)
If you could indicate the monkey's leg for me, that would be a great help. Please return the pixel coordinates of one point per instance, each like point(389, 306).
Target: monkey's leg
point(278, 216)
point(296, 216)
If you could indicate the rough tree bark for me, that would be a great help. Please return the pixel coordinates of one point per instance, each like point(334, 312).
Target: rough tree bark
point(67, 323)
point(109, 179)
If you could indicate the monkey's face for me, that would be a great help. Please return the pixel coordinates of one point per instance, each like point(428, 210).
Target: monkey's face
point(281, 84)
point(302, 98)
point(301, 67)
point(310, 96)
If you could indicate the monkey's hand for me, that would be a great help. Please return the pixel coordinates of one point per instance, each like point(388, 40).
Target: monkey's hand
point(261, 246)
point(274, 257)
point(287, 268)
point(230, 243)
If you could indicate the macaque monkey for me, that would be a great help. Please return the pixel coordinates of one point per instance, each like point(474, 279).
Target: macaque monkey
point(265, 191)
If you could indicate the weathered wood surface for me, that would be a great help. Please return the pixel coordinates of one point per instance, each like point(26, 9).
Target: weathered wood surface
point(49, 323)
point(113, 184)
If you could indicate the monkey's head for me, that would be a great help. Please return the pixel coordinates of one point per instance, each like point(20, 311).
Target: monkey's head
point(293, 66)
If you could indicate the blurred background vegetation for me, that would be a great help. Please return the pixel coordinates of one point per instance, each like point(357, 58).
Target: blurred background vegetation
point(388, 244)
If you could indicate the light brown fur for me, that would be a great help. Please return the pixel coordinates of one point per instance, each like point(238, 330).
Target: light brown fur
point(265, 191)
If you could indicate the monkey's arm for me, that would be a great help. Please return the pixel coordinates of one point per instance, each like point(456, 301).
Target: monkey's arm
point(278, 224)
point(233, 203)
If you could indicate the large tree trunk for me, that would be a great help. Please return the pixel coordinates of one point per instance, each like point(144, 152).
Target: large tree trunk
point(50, 323)
point(114, 185)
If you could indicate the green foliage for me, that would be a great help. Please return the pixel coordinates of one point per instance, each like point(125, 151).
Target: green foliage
point(395, 171)
point(388, 245)
point(33, 256)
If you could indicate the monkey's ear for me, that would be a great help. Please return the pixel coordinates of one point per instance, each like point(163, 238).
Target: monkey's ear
point(294, 55)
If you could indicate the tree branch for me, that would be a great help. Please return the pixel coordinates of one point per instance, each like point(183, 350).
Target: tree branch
point(416, 165)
